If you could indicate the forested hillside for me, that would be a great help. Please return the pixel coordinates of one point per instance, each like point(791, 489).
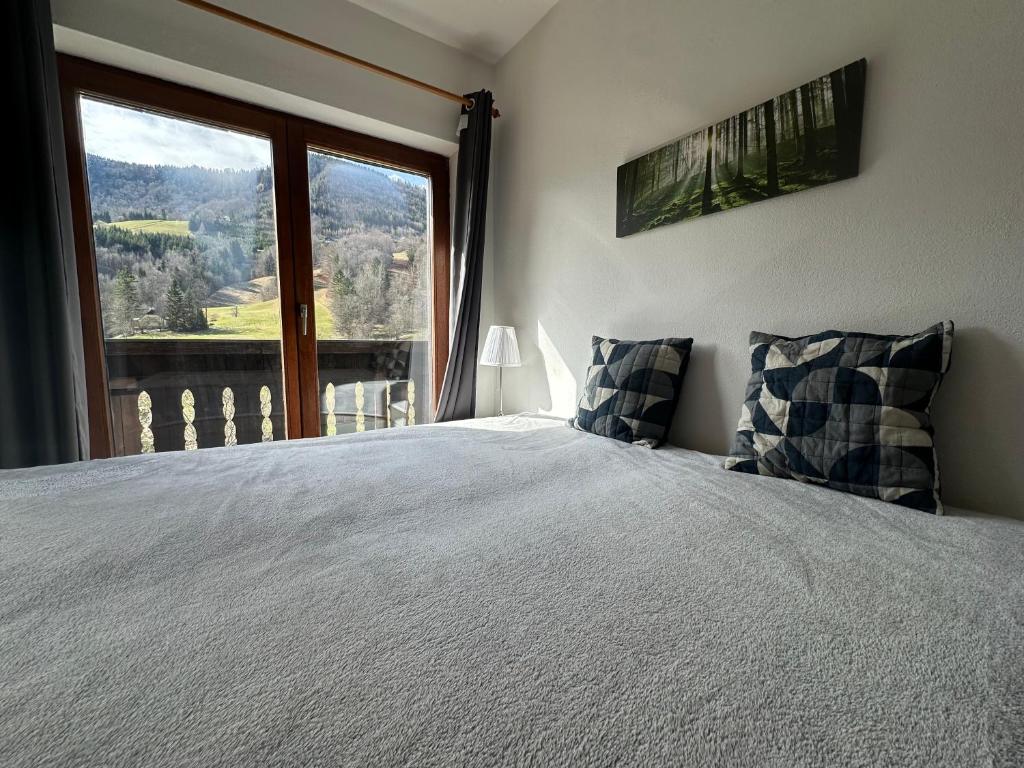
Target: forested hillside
point(344, 195)
point(127, 191)
point(174, 243)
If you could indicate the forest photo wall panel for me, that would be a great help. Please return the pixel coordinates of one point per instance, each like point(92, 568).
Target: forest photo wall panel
point(804, 138)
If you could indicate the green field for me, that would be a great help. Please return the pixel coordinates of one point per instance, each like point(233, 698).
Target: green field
point(165, 226)
point(258, 320)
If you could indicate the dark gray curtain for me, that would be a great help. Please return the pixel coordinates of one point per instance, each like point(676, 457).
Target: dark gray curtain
point(458, 394)
point(42, 373)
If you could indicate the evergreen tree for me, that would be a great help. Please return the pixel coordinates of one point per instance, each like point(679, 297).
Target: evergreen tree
point(194, 311)
point(342, 304)
point(125, 305)
point(175, 315)
point(183, 310)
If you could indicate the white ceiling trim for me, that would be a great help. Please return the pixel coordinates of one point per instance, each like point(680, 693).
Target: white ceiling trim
point(487, 29)
point(87, 46)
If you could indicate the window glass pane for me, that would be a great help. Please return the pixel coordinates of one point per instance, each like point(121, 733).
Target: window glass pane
point(186, 257)
point(372, 275)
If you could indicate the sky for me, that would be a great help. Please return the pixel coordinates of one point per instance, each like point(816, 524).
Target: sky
point(137, 136)
point(134, 136)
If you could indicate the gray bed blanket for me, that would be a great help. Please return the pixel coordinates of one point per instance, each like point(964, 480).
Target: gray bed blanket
point(501, 592)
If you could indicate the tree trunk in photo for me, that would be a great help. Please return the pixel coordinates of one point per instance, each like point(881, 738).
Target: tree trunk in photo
point(732, 140)
point(757, 129)
point(727, 144)
point(631, 173)
point(634, 188)
point(634, 183)
point(841, 120)
point(794, 121)
point(773, 160)
point(810, 142)
point(705, 206)
point(675, 164)
point(821, 116)
point(742, 145)
point(736, 138)
point(622, 192)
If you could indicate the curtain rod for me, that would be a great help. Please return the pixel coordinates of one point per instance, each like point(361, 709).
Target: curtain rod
point(281, 34)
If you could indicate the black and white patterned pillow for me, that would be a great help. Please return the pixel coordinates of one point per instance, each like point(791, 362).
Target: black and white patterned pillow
point(846, 410)
point(632, 388)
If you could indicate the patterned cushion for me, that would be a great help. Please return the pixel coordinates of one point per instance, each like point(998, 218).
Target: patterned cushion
point(632, 389)
point(846, 410)
point(392, 362)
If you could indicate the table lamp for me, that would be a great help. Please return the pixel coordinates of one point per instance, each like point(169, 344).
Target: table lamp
point(501, 351)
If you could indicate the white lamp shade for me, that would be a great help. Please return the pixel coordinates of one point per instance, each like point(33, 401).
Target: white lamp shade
point(501, 348)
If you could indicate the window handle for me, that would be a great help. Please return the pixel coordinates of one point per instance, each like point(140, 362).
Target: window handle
point(304, 314)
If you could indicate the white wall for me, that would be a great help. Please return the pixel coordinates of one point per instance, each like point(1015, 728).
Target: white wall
point(175, 42)
point(933, 227)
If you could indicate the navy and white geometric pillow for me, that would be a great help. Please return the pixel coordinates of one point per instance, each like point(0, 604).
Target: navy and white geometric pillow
point(632, 388)
point(846, 410)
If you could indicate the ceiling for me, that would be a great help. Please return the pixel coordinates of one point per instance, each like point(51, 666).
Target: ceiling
point(488, 29)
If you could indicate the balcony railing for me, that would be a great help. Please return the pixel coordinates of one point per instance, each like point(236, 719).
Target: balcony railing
point(173, 395)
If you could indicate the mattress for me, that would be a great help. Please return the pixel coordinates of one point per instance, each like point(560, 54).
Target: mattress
point(495, 592)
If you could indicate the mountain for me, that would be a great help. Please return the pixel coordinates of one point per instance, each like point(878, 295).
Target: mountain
point(343, 195)
point(188, 238)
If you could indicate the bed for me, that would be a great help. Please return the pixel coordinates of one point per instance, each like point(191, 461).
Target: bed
point(495, 592)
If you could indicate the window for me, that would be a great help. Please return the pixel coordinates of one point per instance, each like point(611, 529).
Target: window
point(185, 246)
point(245, 275)
point(370, 234)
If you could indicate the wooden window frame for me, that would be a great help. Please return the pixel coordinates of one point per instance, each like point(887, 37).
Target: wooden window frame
point(304, 135)
point(290, 136)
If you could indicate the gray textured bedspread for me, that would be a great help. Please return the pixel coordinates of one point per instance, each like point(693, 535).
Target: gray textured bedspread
point(501, 592)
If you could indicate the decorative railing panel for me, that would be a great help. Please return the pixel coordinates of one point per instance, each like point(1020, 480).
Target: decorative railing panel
point(330, 403)
point(187, 395)
point(146, 421)
point(266, 408)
